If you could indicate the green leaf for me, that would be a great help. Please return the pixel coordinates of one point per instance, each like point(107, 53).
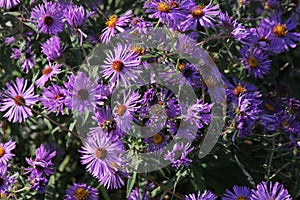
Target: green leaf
point(130, 184)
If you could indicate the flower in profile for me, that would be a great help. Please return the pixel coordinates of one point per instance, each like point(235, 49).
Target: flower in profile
point(178, 155)
point(28, 61)
point(206, 195)
point(124, 111)
point(255, 61)
point(15, 98)
point(114, 25)
point(42, 165)
point(7, 4)
point(140, 25)
point(81, 191)
point(39, 184)
point(260, 37)
point(239, 192)
point(9, 40)
point(282, 36)
point(113, 179)
point(16, 53)
point(48, 72)
point(5, 152)
point(48, 17)
point(54, 99)
point(82, 91)
point(120, 65)
point(202, 14)
point(271, 4)
point(270, 191)
point(102, 153)
point(137, 194)
point(6, 180)
point(52, 49)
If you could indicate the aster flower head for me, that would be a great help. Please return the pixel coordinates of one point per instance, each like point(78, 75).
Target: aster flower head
point(39, 184)
point(113, 179)
point(120, 65)
point(7, 4)
point(5, 152)
point(76, 16)
point(52, 49)
point(6, 180)
point(42, 165)
point(16, 95)
point(255, 61)
point(259, 37)
point(16, 53)
point(28, 61)
point(206, 195)
point(102, 153)
point(137, 194)
point(80, 191)
point(239, 192)
point(82, 91)
point(270, 191)
point(54, 99)
point(48, 72)
point(156, 142)
point(48, 17)
point(114, 25)
point(200, 14)
point(178, 156)
point(282, 36)
point(140, 25)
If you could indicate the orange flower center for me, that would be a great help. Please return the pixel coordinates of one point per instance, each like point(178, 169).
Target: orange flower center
point(121, 109)
point(198, 12)
point(138, 49)
point(157, 138)
point(81, 194)
point(280, 30)
point(163, 7)
point(117, 65)
point(2, 151)
point(57, 96)
point(83, 94)
point(47, 70)
point(101, 153)
point(241, 198)
point(239, 90)
point(252, 62)
point(112, 21)
point(174, 4)
point(48, 20)
point(19, 100)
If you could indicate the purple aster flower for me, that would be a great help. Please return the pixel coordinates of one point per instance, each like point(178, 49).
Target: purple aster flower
point(139, 24)
point(16, 53)
point(120, 65)
point(28, 62)
point(5, 152)
point(7, 4)
point(124, 111)
point(42, 165)
point(206, 195)
point(15, 97)
point(9, 40)
point(101, 153)
point(259, 37)
point(52, 49)
point(39, 184)
point(114, 25)
point(82, 92)
point(6, 180)
point(270, 191)
point(255, 61)
point(282, 37)
point(202, 14)
point(48, 72)
point(271, 4)
point(150, 97)
point(113, 179)
point(138, 194)
point(81, 191)
point(247, 112)
point(239, 192)
point(48, 17)
point(54, 99)
point(107, 122)
point(178, 156)
point(232, 27)
point(156, 142)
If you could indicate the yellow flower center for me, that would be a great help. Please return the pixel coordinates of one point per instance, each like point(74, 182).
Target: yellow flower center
point(157, 138)
point(284, 124)
point(280, 30)
point(47, 70)
point(252, 62)
point(239, 90)
point(19, 100)
point(101, 153)
point(121, 109)
point(198, 12)
point(81, 194)
point(2, 195)
point(2, 151)
point(112, 21)
point(138, 49)
point(117, 65)
point(181, 66)
point(241, 198)
point(163, 7)
point(174, 4)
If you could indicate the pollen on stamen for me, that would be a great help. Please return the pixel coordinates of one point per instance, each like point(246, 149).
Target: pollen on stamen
point(81, 194)
point(164, 7)
point(112, 21)
point(19, 100)
point(47, 70)
point(252, 62)
point(280, 30)
point(198, 12)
